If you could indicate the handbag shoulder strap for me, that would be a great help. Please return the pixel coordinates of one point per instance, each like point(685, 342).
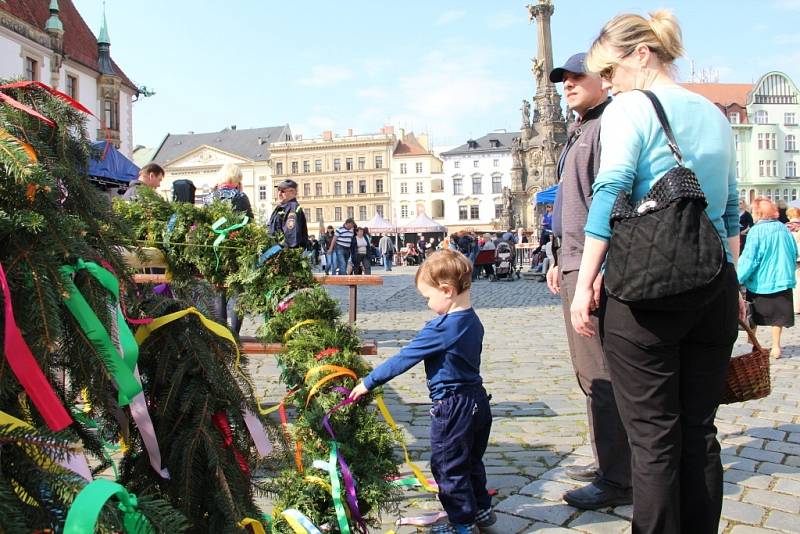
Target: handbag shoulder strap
point(662, 118)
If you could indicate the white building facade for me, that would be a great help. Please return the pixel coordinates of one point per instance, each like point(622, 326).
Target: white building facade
point(474, 175)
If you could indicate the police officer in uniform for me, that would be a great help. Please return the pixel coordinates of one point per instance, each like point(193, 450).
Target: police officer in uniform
point(288, 218)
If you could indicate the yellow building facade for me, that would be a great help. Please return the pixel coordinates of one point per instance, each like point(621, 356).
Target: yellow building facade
point(338, 176)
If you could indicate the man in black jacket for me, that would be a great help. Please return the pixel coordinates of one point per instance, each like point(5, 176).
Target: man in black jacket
point(288, 217)
point(577, 168)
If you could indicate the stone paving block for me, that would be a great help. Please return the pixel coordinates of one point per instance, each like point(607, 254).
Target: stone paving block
point(741, 512)
point(532, 508)
point(506, 481)
point(783, 522)
point(599, 523)
point(546, 528)
point(509, 524)
point(792, 460)
point(624, 511)
point(783, 447)
point(744, 529)
point(732, 491)
point(743, 441)
point(737, 462)
point(774, 500)
point(766, 433)
point(780, 471)
point(792, 487)
point(794, 437)
point(547, 489)
point(761, 455)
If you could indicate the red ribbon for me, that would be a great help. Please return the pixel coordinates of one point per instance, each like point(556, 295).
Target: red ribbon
point(55, 92)
point(325, 353)
point(220, 420)
point(27, 109)
point(26, 368)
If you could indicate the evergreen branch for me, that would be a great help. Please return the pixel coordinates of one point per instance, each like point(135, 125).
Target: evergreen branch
point(45, 324)
point(16, 155)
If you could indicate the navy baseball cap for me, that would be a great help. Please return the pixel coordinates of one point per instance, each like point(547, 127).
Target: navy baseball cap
point(287, 184)
point(575, 64)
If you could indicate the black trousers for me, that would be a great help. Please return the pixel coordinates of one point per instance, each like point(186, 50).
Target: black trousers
point(460, 427)
point(609, 440)
point(225, 308)
point(668, 369)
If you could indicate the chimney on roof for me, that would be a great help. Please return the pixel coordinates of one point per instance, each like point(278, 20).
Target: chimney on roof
point(233, 126)
point(472, 143)
point(402, 134)
point(260, 140)
point(327, 135)
point(388, 129)
point(349, 132)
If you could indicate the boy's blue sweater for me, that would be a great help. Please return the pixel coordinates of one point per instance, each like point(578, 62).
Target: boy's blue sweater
point(451, 347)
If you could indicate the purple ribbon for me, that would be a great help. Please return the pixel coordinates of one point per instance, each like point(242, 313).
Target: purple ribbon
point(164, 290)
point(347, 475)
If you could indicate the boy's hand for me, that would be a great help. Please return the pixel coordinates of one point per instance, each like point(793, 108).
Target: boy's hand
point(359, 391)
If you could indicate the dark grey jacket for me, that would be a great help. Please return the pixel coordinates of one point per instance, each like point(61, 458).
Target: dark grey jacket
point(581, 162)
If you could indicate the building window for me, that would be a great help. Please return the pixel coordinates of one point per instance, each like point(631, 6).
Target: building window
point(737, 168)
point(772, 141)
point(498, 211)
point(279, 167)
point(496, 163)
point(403, 168)
point(362, 186)
point(761, 117)
point(767, 167)
point(262, 192)
point(379, 209)
point(362, 213)
point(317, 165)
point(403, 188)
point(31, 69)
point(348, 164)
point(337, 213)
point(306, 166)
point(785, 194)
point(476, 185)
point(766, 141)
point(791, 170)
point(456, 164)
point(420, 187)
point(337, 164)
point(378, 162)
point(379, 186)
point(294, 167)
point(458, 186)
point(362, 163)
point(404, 211)
point(789, 119)
point(351, 212)
point(474, 212)
point(318, 189)
point(337, 188)
point(790, 144)
point(419, 168)
point(111, 113)
point(318, 214)
point(306, 190)
point(497, 185)
point(733, 117)
point(463, 212)
point(475, 163)
point(72, 86)
point(349, 187)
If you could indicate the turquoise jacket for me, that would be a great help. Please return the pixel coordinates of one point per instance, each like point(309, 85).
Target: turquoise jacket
point(769, 258)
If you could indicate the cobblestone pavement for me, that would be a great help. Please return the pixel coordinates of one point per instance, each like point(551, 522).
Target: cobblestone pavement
point(540, 414)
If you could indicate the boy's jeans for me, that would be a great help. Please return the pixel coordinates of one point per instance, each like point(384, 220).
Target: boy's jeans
point(460, 427)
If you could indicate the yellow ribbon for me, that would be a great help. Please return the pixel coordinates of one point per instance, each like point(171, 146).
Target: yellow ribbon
point(254, 524)
point(289, 332)
point(416, 470)
point(335, 370)
point(13, 423)
point(319, 482)
point(144, 331)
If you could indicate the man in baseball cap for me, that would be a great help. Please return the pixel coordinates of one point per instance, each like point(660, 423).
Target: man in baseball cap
point(288, 217)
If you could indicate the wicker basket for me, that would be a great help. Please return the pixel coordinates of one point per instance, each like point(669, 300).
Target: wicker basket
point(748, 374)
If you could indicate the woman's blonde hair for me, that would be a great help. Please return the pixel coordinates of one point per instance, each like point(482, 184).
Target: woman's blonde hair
point(661, 33)
point(230, 173)
point(793, 213)
point(764, 208)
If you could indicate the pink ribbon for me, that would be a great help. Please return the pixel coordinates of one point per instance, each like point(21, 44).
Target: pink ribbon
point(77, 464)
point(27, 370)
point(257, 432)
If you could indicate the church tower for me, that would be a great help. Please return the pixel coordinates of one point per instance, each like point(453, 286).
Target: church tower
point(109, 84)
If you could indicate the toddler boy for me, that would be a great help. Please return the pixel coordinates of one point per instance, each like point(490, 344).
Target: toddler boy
point(461, 418)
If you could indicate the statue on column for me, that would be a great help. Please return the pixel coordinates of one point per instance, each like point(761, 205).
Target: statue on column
point(537, 69)
point(508, 200)
point(516, 152)
point(526, 114)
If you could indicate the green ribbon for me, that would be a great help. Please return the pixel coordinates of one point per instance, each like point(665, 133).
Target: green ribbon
point(223, 233)
point(120, 368)
point(108, 448)
point(336, 487)
point(85, 509)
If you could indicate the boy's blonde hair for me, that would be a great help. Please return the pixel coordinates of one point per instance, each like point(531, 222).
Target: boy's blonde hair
point(446, 267)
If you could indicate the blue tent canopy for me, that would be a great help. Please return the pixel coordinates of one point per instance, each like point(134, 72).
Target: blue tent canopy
point(107, 163)
point(547, 196)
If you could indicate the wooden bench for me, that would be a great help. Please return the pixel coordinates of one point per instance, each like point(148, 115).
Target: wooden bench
point(253, 347)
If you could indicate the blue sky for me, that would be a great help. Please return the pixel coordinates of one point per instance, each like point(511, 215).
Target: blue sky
point(454, 69)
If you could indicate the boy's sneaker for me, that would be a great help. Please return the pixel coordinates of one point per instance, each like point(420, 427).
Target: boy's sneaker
point(484, 519)
point(450, 528)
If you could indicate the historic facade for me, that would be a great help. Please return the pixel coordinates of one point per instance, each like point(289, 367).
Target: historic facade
point(417, 181)
point(543, 131)
point(199, 156)
point(48, 41)
point(338, 176)
point(477, 190)
point(764, 117)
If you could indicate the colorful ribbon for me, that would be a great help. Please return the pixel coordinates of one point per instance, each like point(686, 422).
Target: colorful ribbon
point(75, 462)
point(335, 372)
point(416, 470)
point(336, 489)
point(298, 447)
point(27, 370)
point(267, 254)
point(299, 523)
point(254, 524)
point(85, 509)
point(254, 425)
point(220, 421)
point(292, 330)
point(223, 233)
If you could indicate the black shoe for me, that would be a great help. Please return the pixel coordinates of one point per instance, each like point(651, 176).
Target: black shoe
point(594, 496)
point(582, 473)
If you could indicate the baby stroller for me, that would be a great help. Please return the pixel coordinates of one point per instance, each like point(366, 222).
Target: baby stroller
point(504, 262)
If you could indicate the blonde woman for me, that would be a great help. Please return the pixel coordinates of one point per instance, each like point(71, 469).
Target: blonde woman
point(667, 367)
point(794, 227)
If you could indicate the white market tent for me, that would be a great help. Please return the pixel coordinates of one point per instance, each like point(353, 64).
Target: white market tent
point(422, 224)
point(378, 226)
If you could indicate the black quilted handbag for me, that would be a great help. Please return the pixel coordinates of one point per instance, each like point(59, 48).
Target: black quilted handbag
point(664, 251)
